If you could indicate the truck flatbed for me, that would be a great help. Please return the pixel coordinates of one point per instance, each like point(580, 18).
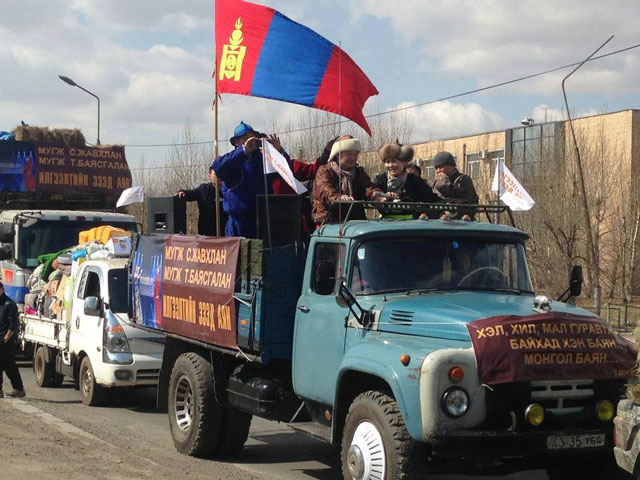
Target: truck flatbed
point(41, 330)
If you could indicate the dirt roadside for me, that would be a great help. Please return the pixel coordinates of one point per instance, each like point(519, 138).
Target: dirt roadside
point(35, 448)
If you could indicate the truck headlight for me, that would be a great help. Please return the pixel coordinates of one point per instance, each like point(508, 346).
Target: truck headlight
point(115, 339)
point(455, 402)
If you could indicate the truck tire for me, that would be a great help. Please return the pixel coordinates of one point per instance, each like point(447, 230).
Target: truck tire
point(42, 369)
point(91, 393)
point(195, 417)
point(376, 443)
point(234, 432)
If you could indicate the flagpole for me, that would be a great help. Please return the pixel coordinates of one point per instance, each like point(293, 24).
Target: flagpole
point(499, 187)
point(216, 185)
point(266, 191)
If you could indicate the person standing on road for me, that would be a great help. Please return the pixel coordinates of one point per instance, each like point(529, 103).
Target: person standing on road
point(205, 195)
point(8, 337)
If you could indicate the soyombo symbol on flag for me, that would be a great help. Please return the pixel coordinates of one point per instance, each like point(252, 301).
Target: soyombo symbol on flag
point(262, 53)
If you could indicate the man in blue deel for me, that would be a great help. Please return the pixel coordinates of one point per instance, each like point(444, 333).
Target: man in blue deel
point(242, 172)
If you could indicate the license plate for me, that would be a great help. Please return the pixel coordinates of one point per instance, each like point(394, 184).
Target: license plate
point(561, 442)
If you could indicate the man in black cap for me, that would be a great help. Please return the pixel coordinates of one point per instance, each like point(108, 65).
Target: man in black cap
point(450, 184)
point(205, 196)
point(8, 337)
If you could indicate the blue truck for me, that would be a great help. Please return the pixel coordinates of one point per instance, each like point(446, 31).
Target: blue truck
point(362, 337)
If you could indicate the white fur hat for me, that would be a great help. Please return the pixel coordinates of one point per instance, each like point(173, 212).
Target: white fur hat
point(347, 145)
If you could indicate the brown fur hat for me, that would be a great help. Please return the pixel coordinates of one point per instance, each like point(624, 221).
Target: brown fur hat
point(404, 153)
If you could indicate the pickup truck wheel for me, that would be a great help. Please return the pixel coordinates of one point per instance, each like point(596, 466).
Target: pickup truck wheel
point(195, 417)
point(42, 369)
point(376, 443)
point(234, 433)
point(91, 393)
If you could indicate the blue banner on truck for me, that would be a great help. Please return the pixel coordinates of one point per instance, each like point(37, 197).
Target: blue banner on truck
point(146, 279)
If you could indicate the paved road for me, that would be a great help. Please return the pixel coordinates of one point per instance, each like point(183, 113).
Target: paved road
point(132, 423)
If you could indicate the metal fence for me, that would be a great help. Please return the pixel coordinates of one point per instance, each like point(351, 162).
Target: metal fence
point(621, 317)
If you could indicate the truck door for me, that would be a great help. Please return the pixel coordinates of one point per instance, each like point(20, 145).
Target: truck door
point(86, 330)
point(319, 336)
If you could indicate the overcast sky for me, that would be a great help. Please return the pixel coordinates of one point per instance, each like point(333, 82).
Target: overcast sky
point(150, 61)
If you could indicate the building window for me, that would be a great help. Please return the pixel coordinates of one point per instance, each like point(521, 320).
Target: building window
point(493, 158)
point(530, 146)
point(427, 168)
point(473, 165)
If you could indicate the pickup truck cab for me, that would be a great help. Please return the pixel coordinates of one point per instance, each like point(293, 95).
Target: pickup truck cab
point(94, 343)
point(367, 337)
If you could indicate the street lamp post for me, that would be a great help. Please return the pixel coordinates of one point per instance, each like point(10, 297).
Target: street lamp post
point(68, 81)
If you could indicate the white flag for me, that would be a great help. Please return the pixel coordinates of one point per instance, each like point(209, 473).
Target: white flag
point(274, 162)
point(511, 192)
point(131, 195)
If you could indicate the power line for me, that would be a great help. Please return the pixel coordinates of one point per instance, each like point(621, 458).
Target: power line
point(408, 107)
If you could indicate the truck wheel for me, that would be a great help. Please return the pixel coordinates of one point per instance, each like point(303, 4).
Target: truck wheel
point(234, 432)
point(91, 393)
point(194, 414)
point(42, 369)
point(376, 443)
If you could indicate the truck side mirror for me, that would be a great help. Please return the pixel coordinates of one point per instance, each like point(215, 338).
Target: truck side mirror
point(92, 306)
point(6, 252)
point(575, 283)
point(344, 298)
point(6, 232)
point(324, 277)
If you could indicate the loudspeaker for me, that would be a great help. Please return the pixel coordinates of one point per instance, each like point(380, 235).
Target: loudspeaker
point(166, 215)
point(285, 212)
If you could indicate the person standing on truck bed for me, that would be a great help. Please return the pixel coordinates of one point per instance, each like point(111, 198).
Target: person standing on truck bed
point(450, 184)
point(205, 196)
point(242, 172)
point(397, 182)
point(8, 336)
point(342, 180)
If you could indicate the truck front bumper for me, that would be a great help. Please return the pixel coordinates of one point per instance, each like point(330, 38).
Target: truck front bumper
point(144, 371)
point(494, 447)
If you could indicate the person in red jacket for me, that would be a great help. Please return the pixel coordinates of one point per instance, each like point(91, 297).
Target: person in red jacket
point(304, 172)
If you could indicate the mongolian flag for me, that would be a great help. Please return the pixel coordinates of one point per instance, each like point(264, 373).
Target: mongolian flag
point(262, 53)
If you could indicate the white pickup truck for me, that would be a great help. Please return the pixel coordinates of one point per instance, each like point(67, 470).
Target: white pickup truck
point(95, 345)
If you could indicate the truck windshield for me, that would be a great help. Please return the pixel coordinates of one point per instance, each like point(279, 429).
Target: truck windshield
point(50, 236)
point(117, 279)
point(398, 265)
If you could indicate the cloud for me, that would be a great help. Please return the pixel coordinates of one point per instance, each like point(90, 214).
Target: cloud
point(496, 41)
point(448, 119)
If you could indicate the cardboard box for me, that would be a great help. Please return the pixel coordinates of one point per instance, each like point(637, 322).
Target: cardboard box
point(119, 246)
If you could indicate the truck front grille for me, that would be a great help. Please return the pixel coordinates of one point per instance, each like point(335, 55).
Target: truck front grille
point(148, 374)
point(562, 397)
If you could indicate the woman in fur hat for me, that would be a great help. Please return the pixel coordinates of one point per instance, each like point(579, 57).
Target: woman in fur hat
point(396, 182)
point(341, 179)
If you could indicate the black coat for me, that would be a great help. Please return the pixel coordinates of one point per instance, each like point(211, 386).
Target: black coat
point(415, 189)
point(8, 317)
point(205, 195)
